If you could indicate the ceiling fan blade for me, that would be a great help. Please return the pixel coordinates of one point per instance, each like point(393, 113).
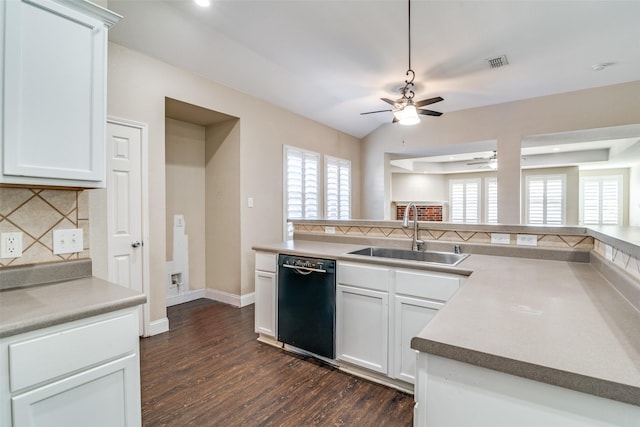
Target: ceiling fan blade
point(389, 101)
point(428, 101)
point(429, 113)
point(373, 112)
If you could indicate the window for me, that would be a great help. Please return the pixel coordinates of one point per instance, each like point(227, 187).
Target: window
point(337, 188)
point(600, 200)
point(302, 185)
point(545, 199)
point(464, 195)
point(491, 200)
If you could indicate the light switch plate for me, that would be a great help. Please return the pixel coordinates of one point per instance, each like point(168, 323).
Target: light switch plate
point(527, 240)
point(500, 238)
point(11, 245)
point(330, 230)
point(67, 241)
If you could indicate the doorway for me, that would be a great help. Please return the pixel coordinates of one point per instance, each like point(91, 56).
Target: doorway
point(202, 184)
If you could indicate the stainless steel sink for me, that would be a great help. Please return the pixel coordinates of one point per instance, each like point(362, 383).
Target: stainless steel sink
point(446, 258)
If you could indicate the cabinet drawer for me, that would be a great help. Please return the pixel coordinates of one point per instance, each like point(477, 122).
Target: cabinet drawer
point(266, 262)
point(426, 284)
point(361, 276)
point(46, 357)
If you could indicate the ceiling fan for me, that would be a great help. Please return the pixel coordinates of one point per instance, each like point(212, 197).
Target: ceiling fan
point(405, 110)
point(490, 162)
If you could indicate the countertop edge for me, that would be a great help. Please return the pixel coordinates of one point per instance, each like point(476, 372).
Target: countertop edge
point(7, 330)
point(594, 386)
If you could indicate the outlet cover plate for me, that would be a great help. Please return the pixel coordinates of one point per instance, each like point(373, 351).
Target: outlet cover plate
point(67, 241)
point(11, 245)
point(527, 240)
point(500, 239)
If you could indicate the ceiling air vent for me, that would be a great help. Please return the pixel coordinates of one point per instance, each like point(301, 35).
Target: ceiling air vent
point(498, 61)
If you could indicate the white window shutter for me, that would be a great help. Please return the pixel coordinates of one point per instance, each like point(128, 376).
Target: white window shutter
point(302, 189)
point(601, 199)
point(492, 200)
point(464, 200)
point(545, 199)
point(337, 188)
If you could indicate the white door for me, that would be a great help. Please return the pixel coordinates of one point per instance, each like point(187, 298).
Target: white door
point(124, 203)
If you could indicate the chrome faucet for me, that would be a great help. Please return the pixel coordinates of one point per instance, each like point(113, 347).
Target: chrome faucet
point(416, 244)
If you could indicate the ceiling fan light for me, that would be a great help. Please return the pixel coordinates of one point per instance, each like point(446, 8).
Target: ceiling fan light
point(409, 116)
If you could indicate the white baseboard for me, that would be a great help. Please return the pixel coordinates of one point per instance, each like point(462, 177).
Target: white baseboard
point(158, 326)
point(185, 297)
point(231, 299)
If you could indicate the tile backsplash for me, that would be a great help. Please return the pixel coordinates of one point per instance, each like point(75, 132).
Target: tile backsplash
point(36, 212)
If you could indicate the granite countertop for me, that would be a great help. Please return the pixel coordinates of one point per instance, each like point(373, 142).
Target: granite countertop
point(23, 309)
point(556, 322)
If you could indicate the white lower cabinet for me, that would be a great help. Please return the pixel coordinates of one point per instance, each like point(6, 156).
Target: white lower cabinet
point(77, 374)
point(362, 321)
point(97, 397)
point(418, 296)
point(411, 316)
point(380, 309)
point(266, 288)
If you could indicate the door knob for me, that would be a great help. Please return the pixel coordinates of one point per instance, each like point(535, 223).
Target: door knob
point(136, 244)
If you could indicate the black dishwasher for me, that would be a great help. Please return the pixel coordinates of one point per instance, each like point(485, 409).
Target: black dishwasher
point(307, 304)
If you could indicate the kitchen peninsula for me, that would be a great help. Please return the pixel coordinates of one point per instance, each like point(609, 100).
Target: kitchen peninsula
point(546, 334)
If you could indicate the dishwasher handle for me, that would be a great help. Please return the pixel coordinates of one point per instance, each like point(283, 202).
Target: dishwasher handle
point(304, 270)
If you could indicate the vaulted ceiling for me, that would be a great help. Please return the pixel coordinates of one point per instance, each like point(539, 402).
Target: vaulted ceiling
point(330, 60)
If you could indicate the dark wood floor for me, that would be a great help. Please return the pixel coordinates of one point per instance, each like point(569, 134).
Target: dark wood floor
point(209, 370)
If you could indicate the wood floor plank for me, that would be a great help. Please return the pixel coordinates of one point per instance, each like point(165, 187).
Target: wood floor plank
point(209, 370)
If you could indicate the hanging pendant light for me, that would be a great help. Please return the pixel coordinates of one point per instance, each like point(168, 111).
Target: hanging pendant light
point(405, 110)
point(409, 114)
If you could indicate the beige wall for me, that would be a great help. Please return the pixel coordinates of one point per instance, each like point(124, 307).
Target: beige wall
point(185, 192)
point(223, 207)
point(409, 187)
point(137, 87)
point(506, 123)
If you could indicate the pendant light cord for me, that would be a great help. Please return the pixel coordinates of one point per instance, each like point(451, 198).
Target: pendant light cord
point(407, 93)
point(409, 34)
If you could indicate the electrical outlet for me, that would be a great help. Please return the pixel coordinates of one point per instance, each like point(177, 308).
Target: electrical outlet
point(11, 245)
point(500, 239)
point(67, 241)
point(527, 240)
point(330, 230)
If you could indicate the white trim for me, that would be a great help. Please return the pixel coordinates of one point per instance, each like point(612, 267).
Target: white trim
point(144, 175)
point(231, 299)
point(157, 327)
point(185, 297)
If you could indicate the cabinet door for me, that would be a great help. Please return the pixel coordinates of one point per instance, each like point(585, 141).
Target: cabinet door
point(362, 327)
point(265, 305)
point(54, 95)
point(411, 315)
point(107, 395)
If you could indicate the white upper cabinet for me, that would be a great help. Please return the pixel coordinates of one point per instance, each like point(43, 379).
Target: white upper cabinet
point(53, 82)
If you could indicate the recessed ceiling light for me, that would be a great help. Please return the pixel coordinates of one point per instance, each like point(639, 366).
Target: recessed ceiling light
point(203, 3)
